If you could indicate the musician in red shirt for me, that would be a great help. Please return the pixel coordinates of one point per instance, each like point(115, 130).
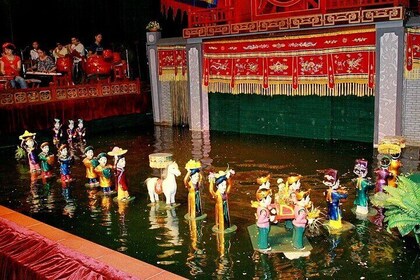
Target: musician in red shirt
point(10, 65)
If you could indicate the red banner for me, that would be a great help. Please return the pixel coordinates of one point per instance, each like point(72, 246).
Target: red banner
point(324, 59)
point(172, 61)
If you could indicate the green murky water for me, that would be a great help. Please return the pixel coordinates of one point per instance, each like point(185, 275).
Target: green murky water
point(163, 238)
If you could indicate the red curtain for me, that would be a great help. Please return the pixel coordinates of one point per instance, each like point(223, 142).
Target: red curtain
point(25, 254)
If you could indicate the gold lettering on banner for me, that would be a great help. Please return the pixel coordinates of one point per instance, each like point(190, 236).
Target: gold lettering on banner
point(278, 67)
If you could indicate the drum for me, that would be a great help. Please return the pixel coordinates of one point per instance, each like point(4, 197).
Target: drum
point(64, 64)
point(108, 55)
point(96, 65)
point(160, 160)
point(116, 58)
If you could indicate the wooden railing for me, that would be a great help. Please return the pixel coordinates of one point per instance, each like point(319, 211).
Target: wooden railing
point(355, 4)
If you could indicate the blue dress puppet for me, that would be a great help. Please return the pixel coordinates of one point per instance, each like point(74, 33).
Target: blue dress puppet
point(333, 196)
point(363, 185)
point(65, 161)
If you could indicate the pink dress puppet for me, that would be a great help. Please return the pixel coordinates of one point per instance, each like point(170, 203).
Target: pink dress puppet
point(57, 133)
point(29, 145)
point(263, 218)
point(300, 220)
point(382, 174)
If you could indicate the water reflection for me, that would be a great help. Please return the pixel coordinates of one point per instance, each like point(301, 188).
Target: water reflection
point(197, 254)
point(224, 261)
point(164, 219)
point(157, 237)
point(122, 226)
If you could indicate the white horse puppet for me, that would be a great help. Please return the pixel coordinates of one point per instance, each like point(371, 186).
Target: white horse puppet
point(168, 184)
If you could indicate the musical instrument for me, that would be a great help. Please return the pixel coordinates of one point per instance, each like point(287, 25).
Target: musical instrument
point(37, 73)
point(97, 65)
point(64, 64)
point(116, 57)
point(108, 55)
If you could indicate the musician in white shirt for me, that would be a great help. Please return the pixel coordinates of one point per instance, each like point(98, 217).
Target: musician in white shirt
point(60, 51)
point(77, 49)
point(34, 52)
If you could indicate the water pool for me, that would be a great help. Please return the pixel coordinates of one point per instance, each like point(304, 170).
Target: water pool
point(163, 238)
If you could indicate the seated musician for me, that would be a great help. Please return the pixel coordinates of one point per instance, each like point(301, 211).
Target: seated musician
point(60, 51)
point(11, 65)
point(77, 51)
point(34, 51)
point(44, 64)
point(96, 47)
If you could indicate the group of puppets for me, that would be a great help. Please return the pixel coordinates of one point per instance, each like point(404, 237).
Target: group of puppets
point(293, 206)
point(98, 172)
point(290, 204)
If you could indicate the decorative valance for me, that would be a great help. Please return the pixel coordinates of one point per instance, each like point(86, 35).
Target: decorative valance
point(172, 63)
point(412, 54)
point(328, 64)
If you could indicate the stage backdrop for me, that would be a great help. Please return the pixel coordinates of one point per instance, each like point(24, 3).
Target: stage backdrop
point(327, 64)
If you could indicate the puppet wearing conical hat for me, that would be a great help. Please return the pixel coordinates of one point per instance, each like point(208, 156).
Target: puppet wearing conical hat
point(29, 145)
point(120, 174)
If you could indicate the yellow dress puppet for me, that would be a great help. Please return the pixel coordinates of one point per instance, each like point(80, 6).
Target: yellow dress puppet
point(223, 183)
point(193, 181)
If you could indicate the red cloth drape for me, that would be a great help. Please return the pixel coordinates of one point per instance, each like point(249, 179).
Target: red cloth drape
point(25, 254)
point(33, 117)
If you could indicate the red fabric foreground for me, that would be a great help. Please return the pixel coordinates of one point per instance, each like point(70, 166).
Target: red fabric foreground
point(35, 117)
point(25, 254)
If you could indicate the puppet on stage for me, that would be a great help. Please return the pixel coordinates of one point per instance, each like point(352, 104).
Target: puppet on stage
point(90, 163)
point(80, 132)
point(120, 174)
point(47, 160)
point(193, 181)
point(363, 185)
point(104, 172)
point(223, 182)
point(57, 133)
point(334, 195)
point(382, 174)
point(263, 196)
point(29, 145)
point(65, 160)
point(71, 134)
point(394, 169)
point(300, 221)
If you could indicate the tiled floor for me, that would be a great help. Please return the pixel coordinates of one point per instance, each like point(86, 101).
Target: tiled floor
point(112, 258)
